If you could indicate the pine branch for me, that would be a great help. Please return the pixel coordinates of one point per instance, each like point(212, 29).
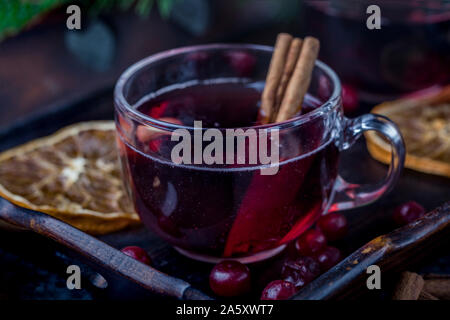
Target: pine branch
point(15, 15)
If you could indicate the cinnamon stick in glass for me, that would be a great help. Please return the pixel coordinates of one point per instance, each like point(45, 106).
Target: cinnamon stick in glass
point(291, 61)
point(300, 80)
point(273, 78)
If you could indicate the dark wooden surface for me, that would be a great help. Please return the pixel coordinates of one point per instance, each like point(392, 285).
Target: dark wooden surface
point(393, 251)
point(98, 253)
point(402, 247)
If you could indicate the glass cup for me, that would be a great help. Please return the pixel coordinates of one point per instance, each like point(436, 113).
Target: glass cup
point(210, 212)
point(410, 52)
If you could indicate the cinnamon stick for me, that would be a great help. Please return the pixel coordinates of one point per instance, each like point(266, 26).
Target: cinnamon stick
point(291, 61)
point(439, 288)
point(424, 295)
point(300, 80)
point(433, 276)
point(273, 78)
point(409, 286)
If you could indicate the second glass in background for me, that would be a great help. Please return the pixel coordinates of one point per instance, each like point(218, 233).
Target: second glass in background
point(410, 52)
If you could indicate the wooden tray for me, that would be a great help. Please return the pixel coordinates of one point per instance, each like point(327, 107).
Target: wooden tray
point(365, 224)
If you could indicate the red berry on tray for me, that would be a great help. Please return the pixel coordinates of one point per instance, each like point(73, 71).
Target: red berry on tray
point(278, 290)
point(137, 253)
point(333, 226)
point(408, 212)
point(311, 242)
point(328, 258)
point(325, 88)
point(300, 271)
point(350, 99)
point(230, 278)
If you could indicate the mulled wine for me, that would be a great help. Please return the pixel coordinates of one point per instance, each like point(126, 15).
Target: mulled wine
point(227, 210)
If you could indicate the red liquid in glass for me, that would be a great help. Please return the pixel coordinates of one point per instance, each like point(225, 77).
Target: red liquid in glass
point(225, 211)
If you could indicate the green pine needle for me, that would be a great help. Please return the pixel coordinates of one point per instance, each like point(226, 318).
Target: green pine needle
point(165, 6)
point(15, 15)
point(143, 7)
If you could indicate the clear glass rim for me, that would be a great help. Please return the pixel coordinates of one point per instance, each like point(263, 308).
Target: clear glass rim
point(122, 103)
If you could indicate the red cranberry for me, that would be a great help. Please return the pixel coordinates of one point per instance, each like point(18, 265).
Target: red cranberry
point(408, 212)
point(198, 62)
point(300, 271)
point(333, 225)
point(278, 290)
point(167, 225)
point(349, 98)
point(242, 62)
point(137, 253)
point(325, 89)
point(199, 56)
point(418, 59)
point(328, 258)
point(311, 242)
point(230, 278)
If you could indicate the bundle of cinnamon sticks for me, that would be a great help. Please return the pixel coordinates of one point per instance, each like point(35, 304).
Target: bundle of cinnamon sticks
point(288, 78)
point(413, 286)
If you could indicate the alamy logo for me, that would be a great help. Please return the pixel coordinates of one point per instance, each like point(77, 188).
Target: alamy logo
point(73, 22)
point(233, 146)
point(74, 278)
point(374, 20)
point(374, 280)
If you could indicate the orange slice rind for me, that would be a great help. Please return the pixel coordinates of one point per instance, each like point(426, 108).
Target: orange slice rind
point(425, 126)
point(73, 175)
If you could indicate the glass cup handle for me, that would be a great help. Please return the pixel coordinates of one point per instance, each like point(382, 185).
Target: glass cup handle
point(348, 195)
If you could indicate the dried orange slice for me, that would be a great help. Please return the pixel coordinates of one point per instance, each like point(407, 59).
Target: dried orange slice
point(425, 126)
point(73, 175)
